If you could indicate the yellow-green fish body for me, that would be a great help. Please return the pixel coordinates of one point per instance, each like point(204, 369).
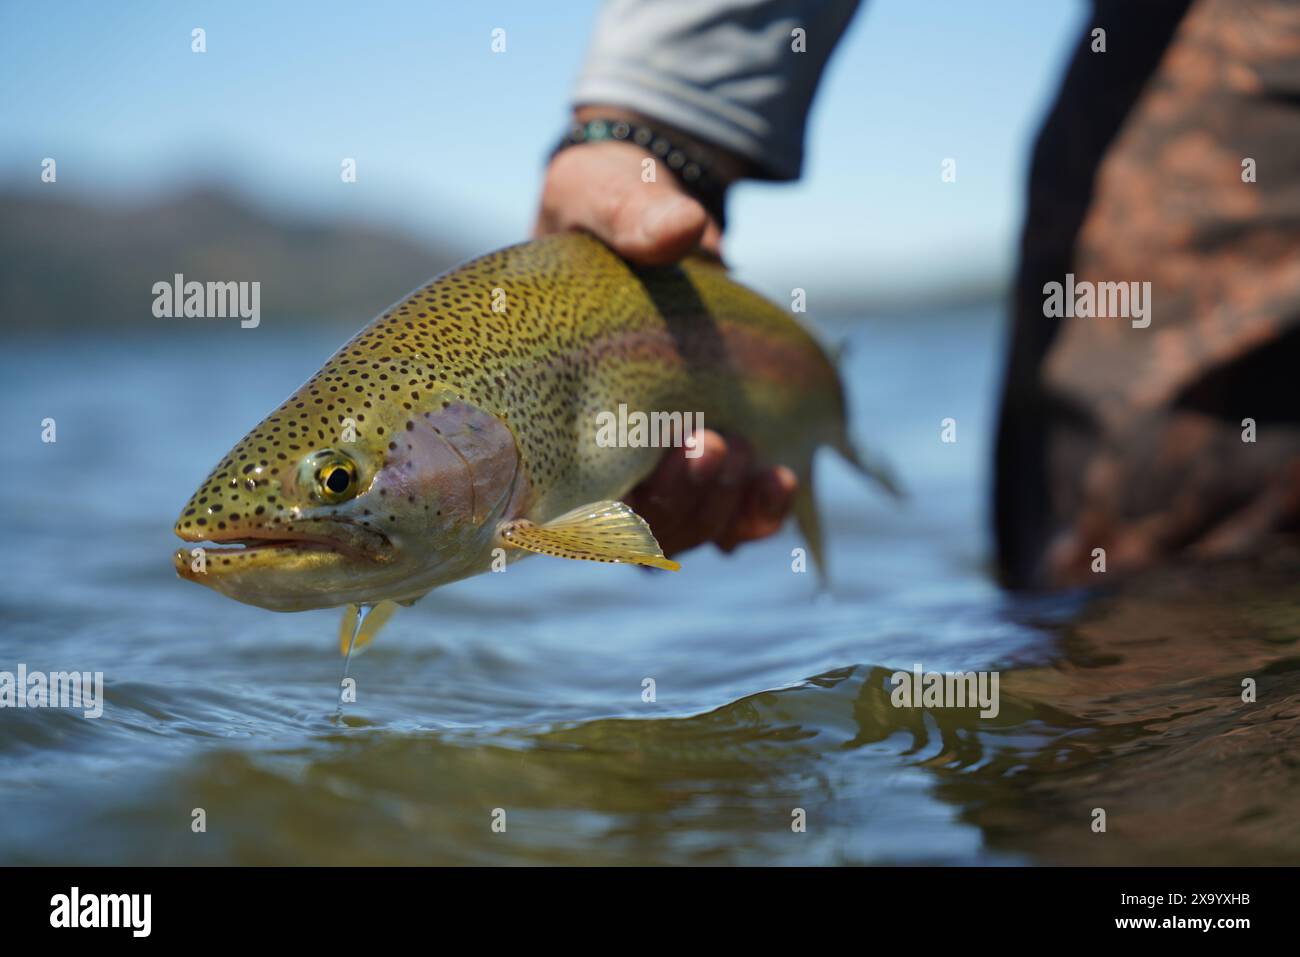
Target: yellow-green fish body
point(465, 423)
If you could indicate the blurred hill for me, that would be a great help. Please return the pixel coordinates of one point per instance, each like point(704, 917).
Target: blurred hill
point(69, 264)
point(66, 263)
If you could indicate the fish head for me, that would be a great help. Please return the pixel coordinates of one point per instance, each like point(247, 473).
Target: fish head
point(321, 506)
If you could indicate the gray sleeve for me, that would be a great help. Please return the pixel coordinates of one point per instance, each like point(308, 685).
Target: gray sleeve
point(722, 70)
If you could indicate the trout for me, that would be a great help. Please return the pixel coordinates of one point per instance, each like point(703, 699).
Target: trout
point(462, 427)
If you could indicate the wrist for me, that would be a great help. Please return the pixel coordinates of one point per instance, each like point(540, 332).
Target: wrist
point(724, 166)
point(700, 170)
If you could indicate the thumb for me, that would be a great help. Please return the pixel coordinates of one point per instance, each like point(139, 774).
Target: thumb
point(663, 230)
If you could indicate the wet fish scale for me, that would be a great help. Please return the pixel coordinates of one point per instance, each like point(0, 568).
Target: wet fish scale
point(539, 338)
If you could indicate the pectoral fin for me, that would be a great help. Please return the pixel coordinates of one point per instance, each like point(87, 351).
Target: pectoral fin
point(348, 627)
point(599, 532)
point(375, 619)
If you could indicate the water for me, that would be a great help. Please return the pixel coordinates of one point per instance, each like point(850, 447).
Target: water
point(523, 692)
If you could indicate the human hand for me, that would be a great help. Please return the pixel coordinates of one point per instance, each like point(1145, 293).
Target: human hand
point(720, 495)
point(597, 188)
point(717, 497)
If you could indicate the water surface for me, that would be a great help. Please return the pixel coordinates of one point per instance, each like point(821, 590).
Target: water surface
point(523, 691)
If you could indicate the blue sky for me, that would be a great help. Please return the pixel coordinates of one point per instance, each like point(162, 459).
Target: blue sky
point(449, 138)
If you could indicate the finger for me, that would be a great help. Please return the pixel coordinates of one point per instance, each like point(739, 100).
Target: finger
point(711, 241)
point(764, 509)
point(666, 499)
point(708, 456)
point(598, 188)
point(654, 497)
point(656, 228)
point(722, 497)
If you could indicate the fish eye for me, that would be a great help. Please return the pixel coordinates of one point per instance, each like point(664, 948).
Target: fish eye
point(334, 476)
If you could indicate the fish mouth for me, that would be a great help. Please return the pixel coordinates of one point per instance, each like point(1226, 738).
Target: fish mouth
point(290, 568)
point(352, 541)
point(246, 546)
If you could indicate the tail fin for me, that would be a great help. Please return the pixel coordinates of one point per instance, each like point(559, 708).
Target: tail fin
point(809, 521)
point(805, 502)
point(877, 471)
